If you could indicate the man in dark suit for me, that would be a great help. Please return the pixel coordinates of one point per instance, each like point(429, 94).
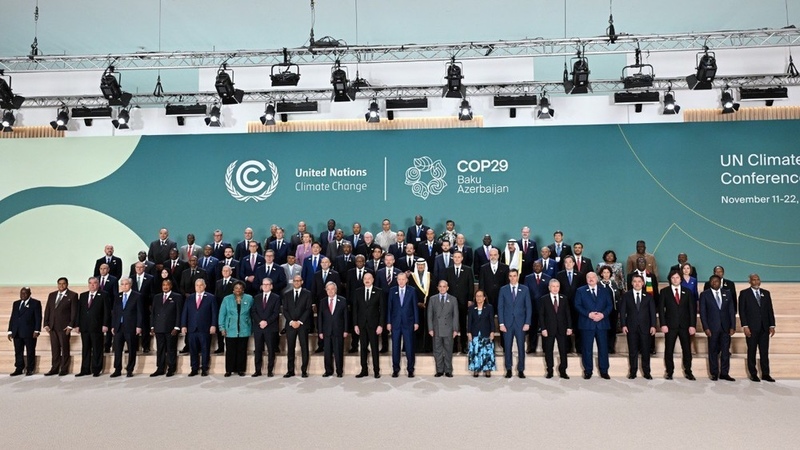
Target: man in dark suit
point(442, 317)
point(719, 323)
point(248, 268)
point(408, 262)
point(593, 306)
point(126, 326)
point(219, 245)
point(570, 281)
point(493, 275)
point(165, 324)
point(327, 236)
point(466, 250)
point(191, 274)
point(332, 328)
point(556, 322)
point(311, 265)
point(59, 319)
point(559, 249)
point(678, 315)
point(354, 280)
point(227, 260)
point(264, 313)
point(189, 249)
point(402, 321)
point(650, 288)
point(549, 265)
point(272, 270)
point(336, 246)
point(725, 284)
point(683, 258)
point(24, 327)
point(159, 249)
point(514, 316)
point(375, 263)
point(243, 248)
point(758, 323)
point(398, 247)
point(442, 261)
point(386, 279)
point(280, 248)
point(320, 279)
point(357, 239)
point(110, 285)
point(428, 248)
point(143, 284)
point(199, 322)
point(637, 315)
point(369, 315)
point(149, 266)
point(461, 285)
point(175, 267)
point(297, 238)
point(530, 252)
point(483, 255)
point(538, 283)
point(114, 263)
point(208, 262)
point(583, 265)
point(223, 289)
point(94, 319)
point(346, 261)
point(297, 315)
point(417, 232)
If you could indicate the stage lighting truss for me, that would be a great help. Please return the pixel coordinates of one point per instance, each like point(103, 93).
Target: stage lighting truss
point(281, 74)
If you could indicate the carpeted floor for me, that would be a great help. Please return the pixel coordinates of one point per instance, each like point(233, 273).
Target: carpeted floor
point(406, 413)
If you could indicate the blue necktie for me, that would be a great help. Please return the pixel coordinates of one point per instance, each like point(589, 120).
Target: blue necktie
point(124, 303)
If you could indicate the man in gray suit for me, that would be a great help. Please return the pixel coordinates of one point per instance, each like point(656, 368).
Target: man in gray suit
point(443, 327)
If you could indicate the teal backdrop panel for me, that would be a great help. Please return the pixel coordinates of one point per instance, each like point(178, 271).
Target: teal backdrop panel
point(725, 193)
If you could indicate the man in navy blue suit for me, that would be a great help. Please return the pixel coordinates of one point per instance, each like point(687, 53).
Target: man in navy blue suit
point(208, 262)
point(417, 232)
point(719, 323)
point(402, 322)
point(311, 265)
point(537, 284)
point(248, 268)
point(272, 270)
point(199, 322)
point(126, 326)
point(280, 247)
point(593, 306)
point(24, 327)
point(219, 245)
point(265, 312)
point(758, 324)
point(110, 285)
point(243, 247)
point(514, 315)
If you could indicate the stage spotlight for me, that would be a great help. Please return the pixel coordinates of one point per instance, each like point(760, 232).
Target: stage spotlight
point(123, 120)
point(545, 111)
point(465, 111)
point(670, 107)
point(284, 75)
point(8, 121)
point(224, 85)
point(342, 90)
point(213, 117)
point(706, 71)
point(579, 82)
point(728, 105)
point(269, 115)
point(62, 119)
point(111, 87)
point(7, 98)
point(454, 88)
point(373, 115)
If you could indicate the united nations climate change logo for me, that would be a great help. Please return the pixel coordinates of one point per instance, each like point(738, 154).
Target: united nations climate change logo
point(422, 165)
point(246, 184)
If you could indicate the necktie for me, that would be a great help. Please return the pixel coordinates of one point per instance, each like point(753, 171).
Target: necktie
point(338, 244)
point(224, 283)
point(253, 261)
point(330, 236)
point(314, 263)
point(441, 299)
point(108, 260)
point(139, 282)
point(409, 262)
point(269, 269)
point(280, 242)
point(296, 295)
point(514, 292)
point(538, 278)
point(22, 304)
point(369, 291)
point(347, 258)
point(91, 299)
point(758, 297)
point(638, 300)
point(579, 264)
point(330, 304)
point(189, 251)
point(388, 276)
point(458, 271)
point(124, 304)
point(594, 294)
point(677, 296)
point(163, 243)
point(102, 282)
point(264, 302)
point(164, 299)
point(719, 300)
point(555, 303)
point(325, 275)
point(58, 299)
point(569, 275)
point(558, 250)
point(545, 264)
point(446, 260)
point(525, 246)
point(205, 263)
point(359, 275)
point(402, 296)
point(216, 246)
point(199, 299)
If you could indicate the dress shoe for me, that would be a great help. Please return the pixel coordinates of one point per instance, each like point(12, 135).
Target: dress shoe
point(256, 374)
point(564, 375)
point(377, 375)
point(448, 374)
point(714, 378)
point(587, 375)
point(438, 374)
point(241, 374)
point(521, 374)
point(227, 374)
point(487, 374)
point(170, 374)
point(28, 373)
point(185, 350)
point(270, 374)
point(410, 374)
point(129, 375)
point(362, 375)
point(652, 352)
point(204, 373)
point(385, 350)
point(116, 374)
point(218, 351)
point(339, 375)
point(605, 376)
point(353, 350)
point(690, 377)
point(146, 351)
point(549, 374)
point(51, 373)
point(668, 376)
point(17, 372)
point(768, 378)
point(726, 378)
point(157, 373)
point(62, 374)
point(193, 373)
point(647, 376)
point(631, 376)
point(508, 374)
point(530, 352)
point(395, 374)
point(475, 374)
point(96, 374)
point(304, 375)
point(289, 375)
point(327, 374)
point(318, 350)
point(81, 374)
point(755, 379)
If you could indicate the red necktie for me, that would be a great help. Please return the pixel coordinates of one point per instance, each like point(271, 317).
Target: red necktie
point(677, 297)
point(189, 252)
point(538, 279)
point(525, 246)
point(91, 298)
point(330, 305)
point(164, 301)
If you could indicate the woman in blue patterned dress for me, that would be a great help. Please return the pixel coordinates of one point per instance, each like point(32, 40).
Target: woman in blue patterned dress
point(480, 333)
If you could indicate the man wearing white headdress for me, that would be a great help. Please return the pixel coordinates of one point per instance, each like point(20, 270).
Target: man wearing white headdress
point(421, 280)
point(512, 256)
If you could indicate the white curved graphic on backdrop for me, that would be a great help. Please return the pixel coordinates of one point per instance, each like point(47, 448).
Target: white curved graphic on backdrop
point(72, 239)
point(60, 162)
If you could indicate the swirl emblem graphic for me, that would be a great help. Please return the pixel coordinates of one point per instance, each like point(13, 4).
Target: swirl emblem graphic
point(435, 169)
point(242, 179)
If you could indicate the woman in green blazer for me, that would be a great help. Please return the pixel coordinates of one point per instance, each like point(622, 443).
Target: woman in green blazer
point(235, 324)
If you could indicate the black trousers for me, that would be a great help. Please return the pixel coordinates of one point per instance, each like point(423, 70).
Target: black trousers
point(669, 342)
point(92, 352)
point(120, 340)
point(333, 347)
point(613, 318)
point(760, 340)
point(547, 346)
point(639, 344)
point(145, 338)
point(719, 353)
point(236, 354)
point(291, 343)
point(262, 338)
point(166, 352)
point(28, 345)
point(368, 337)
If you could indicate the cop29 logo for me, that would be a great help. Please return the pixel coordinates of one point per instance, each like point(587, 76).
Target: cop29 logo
point(435, 171)
point(252, 188)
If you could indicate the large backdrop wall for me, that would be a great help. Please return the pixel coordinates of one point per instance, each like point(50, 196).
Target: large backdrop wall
point(725, 193)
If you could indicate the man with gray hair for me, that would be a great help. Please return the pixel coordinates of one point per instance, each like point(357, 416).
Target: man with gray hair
point(126, 326)
point(332, 326)
point(443, 328)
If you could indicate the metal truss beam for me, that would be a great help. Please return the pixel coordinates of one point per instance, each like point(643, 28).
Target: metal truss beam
point(538, 47)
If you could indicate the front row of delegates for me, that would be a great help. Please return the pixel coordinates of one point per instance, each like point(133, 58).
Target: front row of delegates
point(241, 315)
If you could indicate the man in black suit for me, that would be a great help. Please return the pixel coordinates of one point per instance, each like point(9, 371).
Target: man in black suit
point(538, 284)
point(219, 245)
point(417, 232)
point(466, 250)
point(582, 264)
point(369, 315)
point(94, 319)
point(336, 247)
point(650, 287)
point(223, 288)
point(297, 238)
point(190, 275)
point(327, 236)
point(280, 248)
point(637, 315)
point(264, 313)
point(494, 274)
point(126, 326)
point(719, 323)
point(683, 258)
point(272, 270)
point(428, 248)
point(530, 252)
point(165, 321)
point(556, 322)
point(398, 247)
point(677, 312)
point(483, 254)
point(333, 328)
point(346, 261)
point(114, 263)
point(758, 323)
point(559, 249)
point(248, 267)
point(461, 285)
point(227, 260)
point(442, 262)
point(143, 284)
point(725, 284)
point(24, 327)
point(149, 266)
point(159, 249)
point(199, 321)
point(297, 315)
point(408, 262)
point(354, 280)
point(175, 267)
point(319, 280)
point(357, 239)
point(59, 319)
point(570, 281)
point(375, 263)
point(243, 247)
point(110, 285)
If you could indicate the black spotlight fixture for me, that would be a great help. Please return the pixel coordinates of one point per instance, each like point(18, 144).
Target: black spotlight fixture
point(342, 90)
point(224, 85)
point(62, 119)
point(7, 98)
point(373, 114)
point(728, 105)
point(123, 120)
point(670, 106)
point(269, 115)
point(454, 88)
point(577, 81)
point(111, 87)
point(282, 74)
point(213, 118)
point(545, 111)
point(465, 111)
point(706, 71)
point(8, 121)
